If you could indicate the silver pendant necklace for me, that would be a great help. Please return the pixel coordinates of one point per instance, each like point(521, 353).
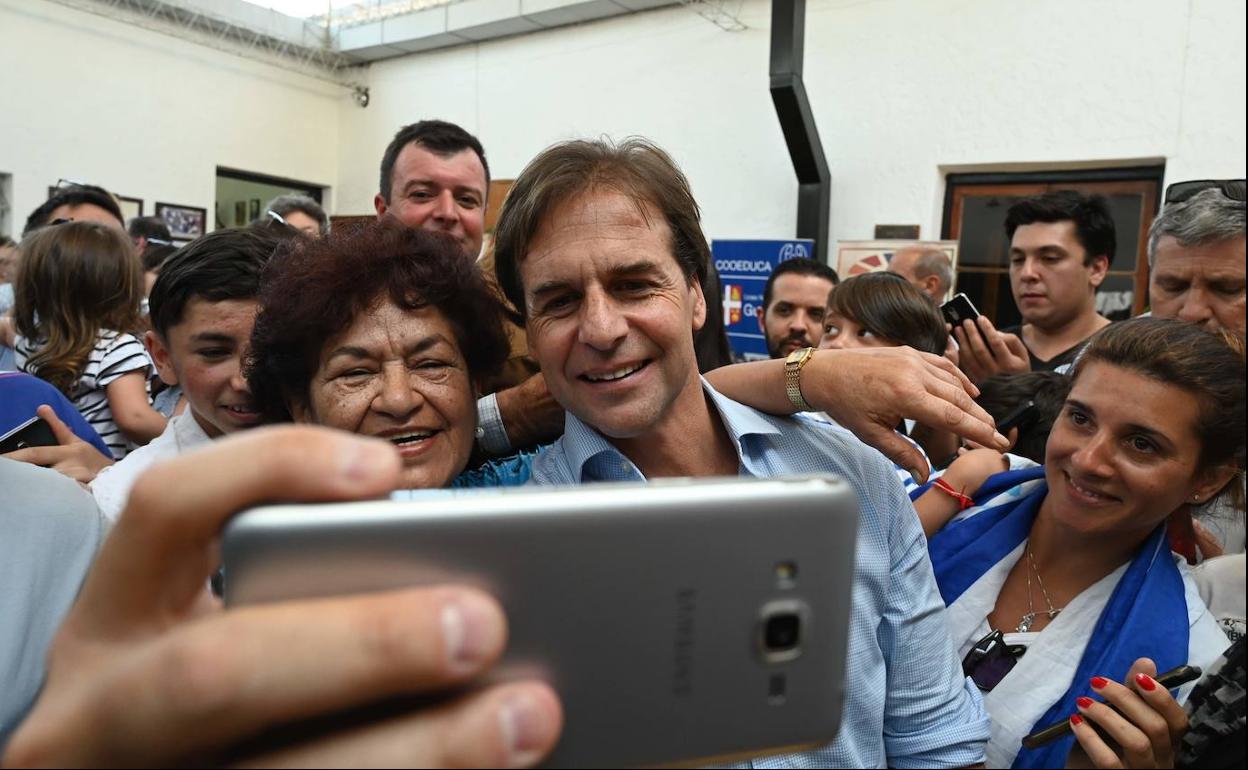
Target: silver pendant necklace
point(1024, 624)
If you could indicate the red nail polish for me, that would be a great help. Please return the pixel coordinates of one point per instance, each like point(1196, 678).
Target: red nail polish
point(1083, 702)
point(1099, 682)
point(1145, 681)
point(1075, 719)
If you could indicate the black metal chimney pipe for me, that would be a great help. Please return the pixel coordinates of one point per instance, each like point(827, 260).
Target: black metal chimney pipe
point(788, 93)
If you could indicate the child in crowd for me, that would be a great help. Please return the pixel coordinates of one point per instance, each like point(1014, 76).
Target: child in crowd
point(78, 291)
point(1003, 394)
point(203, 307)
point(876, 310)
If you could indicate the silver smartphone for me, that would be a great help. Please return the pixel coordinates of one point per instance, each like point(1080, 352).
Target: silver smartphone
point(680, 621)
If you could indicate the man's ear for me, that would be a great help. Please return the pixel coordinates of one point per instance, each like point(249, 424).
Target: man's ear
point(159, 353)
point(1097, 270)
point(930, 285)
point(380, 205)
point(761, 314)
point(699, 305)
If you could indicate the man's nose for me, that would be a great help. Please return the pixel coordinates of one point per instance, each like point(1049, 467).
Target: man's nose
point(444, 208)
point(1196, 307)
point(602, 326)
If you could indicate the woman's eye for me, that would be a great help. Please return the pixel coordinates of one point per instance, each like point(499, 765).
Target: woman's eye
point(864, 333)
point(1141, 444)
point(1078, 418)
point(831, 330)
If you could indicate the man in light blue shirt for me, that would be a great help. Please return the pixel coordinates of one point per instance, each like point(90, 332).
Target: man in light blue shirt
point(600, 247)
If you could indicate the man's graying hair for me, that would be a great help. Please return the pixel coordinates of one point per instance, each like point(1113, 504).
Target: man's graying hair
point(933, 261)
point(1206, 217)
point(285, 204)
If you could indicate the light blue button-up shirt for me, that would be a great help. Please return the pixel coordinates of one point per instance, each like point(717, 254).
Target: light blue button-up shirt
point(907, 703)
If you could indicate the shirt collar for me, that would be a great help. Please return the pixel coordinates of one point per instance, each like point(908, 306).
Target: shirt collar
point(592, 458)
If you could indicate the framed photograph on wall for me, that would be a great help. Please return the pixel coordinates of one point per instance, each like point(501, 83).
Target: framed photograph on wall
point(240, 213)
point(856, 257)
point(130, 207)
point(185, 222)
point(255, 209)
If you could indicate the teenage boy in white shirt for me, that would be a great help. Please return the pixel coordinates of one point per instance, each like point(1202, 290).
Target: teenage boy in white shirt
point(203, 307)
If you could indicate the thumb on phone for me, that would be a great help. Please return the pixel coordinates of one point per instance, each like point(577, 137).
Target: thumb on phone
point(64, 434)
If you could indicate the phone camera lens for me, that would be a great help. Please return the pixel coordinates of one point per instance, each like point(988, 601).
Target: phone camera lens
point(782, 632)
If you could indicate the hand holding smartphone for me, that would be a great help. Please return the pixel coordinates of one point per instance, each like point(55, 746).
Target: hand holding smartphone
point(958, 309)
point(690, 621)
point(1175, 677)
point(32, 433)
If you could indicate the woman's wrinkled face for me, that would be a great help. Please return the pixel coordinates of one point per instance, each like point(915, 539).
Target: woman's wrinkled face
point(399, 375)
point(1124, 454)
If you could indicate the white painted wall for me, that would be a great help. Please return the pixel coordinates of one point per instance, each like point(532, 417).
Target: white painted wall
point(904, 91)
point(147, 115)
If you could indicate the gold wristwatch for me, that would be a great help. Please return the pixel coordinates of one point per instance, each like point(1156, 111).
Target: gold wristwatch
point(793, 377)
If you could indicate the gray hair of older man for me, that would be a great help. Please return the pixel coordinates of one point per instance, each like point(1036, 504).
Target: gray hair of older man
point(284, 204)
point(934, 261)
point(1206, 217)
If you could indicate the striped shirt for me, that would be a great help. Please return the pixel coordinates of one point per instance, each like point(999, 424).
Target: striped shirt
point(115, 354)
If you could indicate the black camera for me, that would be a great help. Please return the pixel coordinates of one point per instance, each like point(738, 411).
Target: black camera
point(782, 632)
point(780, 624)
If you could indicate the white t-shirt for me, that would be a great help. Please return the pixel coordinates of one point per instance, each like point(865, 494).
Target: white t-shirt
point(112, 487)
point(115, 354)
point(1053, 654)
point(1221, 584)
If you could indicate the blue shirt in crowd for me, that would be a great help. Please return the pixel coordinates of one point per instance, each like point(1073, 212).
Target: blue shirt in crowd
point(907, 703)
point(21, 394)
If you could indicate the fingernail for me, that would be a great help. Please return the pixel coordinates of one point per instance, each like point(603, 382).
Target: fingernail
point(469, 629)
point(523, 728)
point(1083, 702)
point(1099, 682)
point(362, 459)
point(918, 477)
point(1145, 681)
point(1075, 719)
point(1002, 440)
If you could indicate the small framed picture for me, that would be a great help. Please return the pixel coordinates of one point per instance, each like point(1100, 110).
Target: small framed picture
point(854, 257)
point(185, 222)
point(255, 209)
point(240, 213)
point(130, 207)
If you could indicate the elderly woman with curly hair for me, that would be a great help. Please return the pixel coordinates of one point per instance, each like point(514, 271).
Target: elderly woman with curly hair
point(383, 331)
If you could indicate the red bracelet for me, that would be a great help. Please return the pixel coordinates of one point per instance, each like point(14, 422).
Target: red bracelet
point(964, 502)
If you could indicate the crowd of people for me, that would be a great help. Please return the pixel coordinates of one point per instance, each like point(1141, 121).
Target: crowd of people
point(1001, 582)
